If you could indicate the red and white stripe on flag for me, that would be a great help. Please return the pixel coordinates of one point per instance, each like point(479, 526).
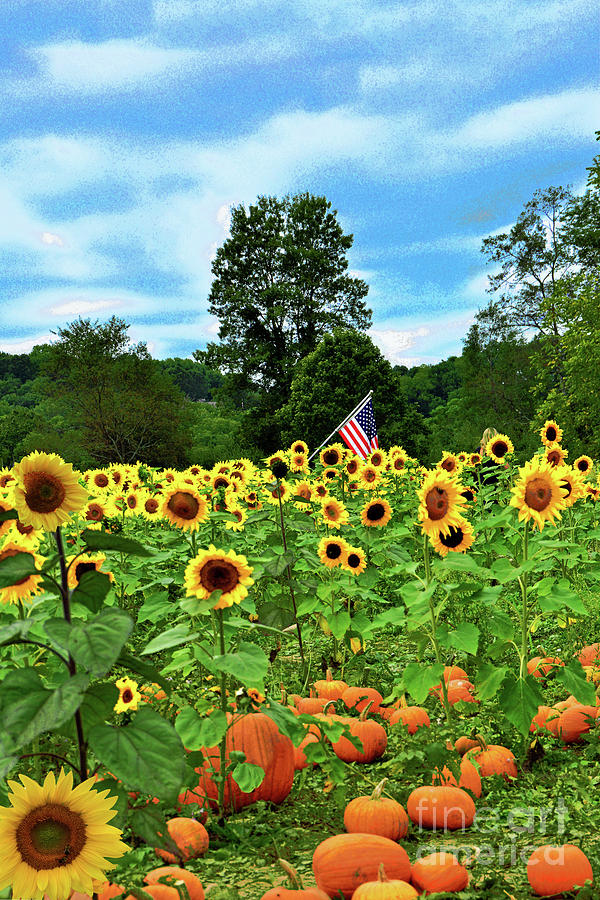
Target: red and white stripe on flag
point(360, 432)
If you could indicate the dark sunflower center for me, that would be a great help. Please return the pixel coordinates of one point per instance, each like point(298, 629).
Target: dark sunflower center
point(567, 486)
point(94, 512)
point(221, 483)
point(375, 512)
point(50, 836)
point(352, 467)
point(5, 479)
point(376, 459)
point(219, 574)
point(304, 492)
point(449, 465)
point(184, 505)
point(24, 529)
point(551, 433)
point(331, 457)
point(500, 448)
point(298, 448)
point(370, 475)
point(554, 458)
point(330, 473)
point(583, 465)
point(116, 477)
point(538, 494)
point(468, 495)
point(100, 480)
point(333, 551)
point(151, 505)
point(353, 560)
point(238, 514)
point(437, 503)
point(331, 512)
point(4, 554)
point(43, 492)
point(453, 539)
point(83, 567)
point(127, 695)
point(398, 464)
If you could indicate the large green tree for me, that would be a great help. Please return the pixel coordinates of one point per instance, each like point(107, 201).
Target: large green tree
point(330, 381)
point(114, 399)
point(280, 283)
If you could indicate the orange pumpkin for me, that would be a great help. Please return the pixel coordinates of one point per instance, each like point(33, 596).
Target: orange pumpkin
point(258, 737)
point(159, 892)
point(375, 814)
point(297, 891)
point(412, 717)
point(465, 743)
point(439, 871)
point(108, 891)
point(590, 655)
point(359, 697)
point(539, 666)
point(442, 807)
point(493, 759)
point(308, 706)
point(191, 881)
point(372, 736)
point(575, 722)
point(384, 889)
point(343, 862)
point(553, 870)
point(329, 688)
point(190, 836)
point(313, 736)
point(469, 778)
point(197, 798)
point(543, 719)
point(460, 690)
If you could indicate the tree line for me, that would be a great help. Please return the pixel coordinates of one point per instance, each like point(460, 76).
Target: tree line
point(294, 355)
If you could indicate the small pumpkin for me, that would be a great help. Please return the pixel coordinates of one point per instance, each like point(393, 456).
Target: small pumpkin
point(174, 873)
point(493, 759)
point(313, 736)
point(544, 719)
point(553, 870)
point(329, 688)
point(469, 778)
point(443, 807)
point(297, 891)
point(384, 889)
point(540, 666)
point(196, 798)
point(575, 722)
point(343, 862)
point(159, 892)
point(109, 890)
point(309, 706)
point(190, 836)
point(375, 814)
point(460, 690)
point(412, 717)
point(359, 697)
point(590, 655)
point(372, 736)
point(463, 744)
point(439, 871)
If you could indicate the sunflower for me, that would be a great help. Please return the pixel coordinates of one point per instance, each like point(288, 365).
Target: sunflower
point(25, 587)
point(457, 540)
point(583, 464)
point(213, 570)
point(183, 506)
point(96, 510)
point(354, 561)
point(129, 696)
point(25, 535)
point(279, 457)
point(334, 512)
point(369, 476)
point(333, 455)
point(299, 463)
point(593, 492)
point(329, 474)
point(498, 447)
point(168, 475)
point(352, 466)
point(6, 477)
point(117, 475)
point(98, 480)
point(282, 490)
point(321, 490)
point(221, 480)
point(463, 458)
point(469, 494)
point(397, 463)
point(440, 502)
point(240, 516)
point(377, 512)
point(538, 494)
point(46, 490)
point(572, 482)
point(252, 501)
point(6, 506)
point(55, 838)
point(150, 505)
point(299, 447)
point(303, 489)
point(550, 432)
point(331, 551)
point(449, 463)
point(474, 459)
point(555, 454)
point(378, 458)
point(85, 562)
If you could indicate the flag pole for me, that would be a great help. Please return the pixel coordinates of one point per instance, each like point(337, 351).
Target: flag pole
point(342, 423)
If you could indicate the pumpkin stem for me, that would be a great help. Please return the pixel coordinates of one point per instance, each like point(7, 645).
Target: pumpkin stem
point(381, 873)
point(480, 740)
point(365, 711)
point(291, 874)
point(327, 705)
point(376, 795)
point(403, 701)
point(283, 694)
point(329, 675)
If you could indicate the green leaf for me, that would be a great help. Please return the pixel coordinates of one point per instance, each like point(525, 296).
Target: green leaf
point(200, 731)
point(146, 754)
point(95, 645)
point(418, 679)
point(339, 623)
point(156, 606)
point(280, 563)
point(101, 540)
point(500, 625)
point(562, 596)
point(248, 776)
point(459, 562)
point(172, 637)
point(249, 664)
point(140, 667)
point(488, 595)
point(519, 699)
point(92, 589)
point(6, 514)
point(14, 630)
point(465, 638)
point(572, 677)
point(393, 616)
point(14, 568)
point(28, 708)
point(98, 704)
point(489, 679)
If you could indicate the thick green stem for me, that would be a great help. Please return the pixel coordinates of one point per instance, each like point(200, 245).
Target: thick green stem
point(434, 640)
point(289, 575)
point(65, 597)
point(222, 746)
point(524, 608)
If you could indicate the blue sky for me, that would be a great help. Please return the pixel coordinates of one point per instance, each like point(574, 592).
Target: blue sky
point(130, 127)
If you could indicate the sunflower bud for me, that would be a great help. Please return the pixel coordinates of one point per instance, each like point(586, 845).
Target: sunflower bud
point(279, 468)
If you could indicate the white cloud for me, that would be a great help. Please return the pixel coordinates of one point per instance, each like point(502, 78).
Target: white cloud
point(52, 239)
point(114, 64)
point(476, 287)
point(81, 307)
point(394, 342)
point(25, 346)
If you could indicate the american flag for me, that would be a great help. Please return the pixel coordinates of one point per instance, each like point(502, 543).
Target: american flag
point(360, 432)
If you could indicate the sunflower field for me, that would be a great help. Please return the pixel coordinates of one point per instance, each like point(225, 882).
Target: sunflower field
point(346, 678)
